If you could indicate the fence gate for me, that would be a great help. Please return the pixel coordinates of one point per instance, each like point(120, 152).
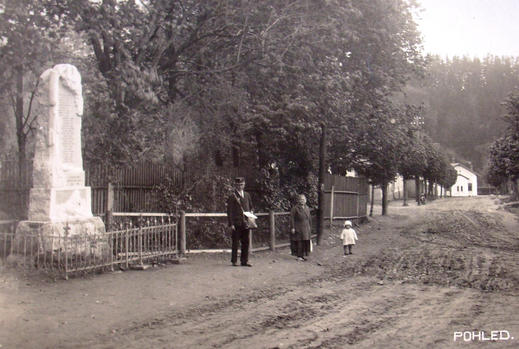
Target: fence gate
point(345, 198)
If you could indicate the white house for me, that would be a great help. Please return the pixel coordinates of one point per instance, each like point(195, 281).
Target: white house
point(466, 183)
point(395, 189)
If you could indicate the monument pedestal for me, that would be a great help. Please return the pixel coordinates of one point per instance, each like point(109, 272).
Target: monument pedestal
point(80, 237)
point(59, 204)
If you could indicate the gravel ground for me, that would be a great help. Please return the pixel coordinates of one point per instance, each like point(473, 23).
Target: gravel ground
point(417, 277)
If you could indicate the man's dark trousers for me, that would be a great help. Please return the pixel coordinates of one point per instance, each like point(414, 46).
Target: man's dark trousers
point(240, 234)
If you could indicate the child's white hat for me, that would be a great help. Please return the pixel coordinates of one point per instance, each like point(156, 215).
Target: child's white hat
point(348, 223)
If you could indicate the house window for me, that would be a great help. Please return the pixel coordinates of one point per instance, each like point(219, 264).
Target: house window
point(470, 187)
point(461, 188)
point(457, 188)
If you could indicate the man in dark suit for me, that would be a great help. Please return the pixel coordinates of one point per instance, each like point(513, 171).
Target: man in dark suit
point(238, 203)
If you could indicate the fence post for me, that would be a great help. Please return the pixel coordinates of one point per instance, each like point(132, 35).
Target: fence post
point(67, 228)
point(13, 241)
point(4, 250)
point(358, 207)
point(182, 240)
point(24, 250)
point(176, 239)
point(140, 242)
point(250, 242)
point(331, 206)
point(127, 246)
point(113, 248)
point(109, 206)
point(272, 229)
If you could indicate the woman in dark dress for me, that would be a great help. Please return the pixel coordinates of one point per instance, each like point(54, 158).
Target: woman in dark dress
point(300, 227)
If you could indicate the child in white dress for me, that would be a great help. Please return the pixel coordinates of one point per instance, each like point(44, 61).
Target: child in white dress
point(348, 237)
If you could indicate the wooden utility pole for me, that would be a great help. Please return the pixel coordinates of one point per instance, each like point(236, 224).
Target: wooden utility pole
point(320, 194)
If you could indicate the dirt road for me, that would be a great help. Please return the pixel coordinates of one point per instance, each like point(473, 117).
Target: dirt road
point(418, 278)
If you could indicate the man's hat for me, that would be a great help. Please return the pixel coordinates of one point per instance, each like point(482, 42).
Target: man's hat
point(239, 180)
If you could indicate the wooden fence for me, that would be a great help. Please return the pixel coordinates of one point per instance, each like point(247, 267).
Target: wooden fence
point(487, 190)
point(272, 231)
point(346, 198)
point(129, 189)
point(134, 189)
point(14, 188)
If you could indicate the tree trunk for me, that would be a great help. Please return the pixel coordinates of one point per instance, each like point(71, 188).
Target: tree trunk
point(320, 186)
point(21, 138)
point(515, 189)
point(22, 159)
point(384, 198)
point(213, 196)
point(417, 189)
point(235, 149)
point(372, 200)
point(262, 158)
point(21, 135)
point(218, 158)
point(404, 179)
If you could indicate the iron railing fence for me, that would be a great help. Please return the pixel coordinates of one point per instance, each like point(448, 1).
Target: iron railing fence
point(142, 244)
point(65, 255)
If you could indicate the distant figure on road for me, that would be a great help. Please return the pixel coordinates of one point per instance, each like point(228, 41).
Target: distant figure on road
point(348, 237)
point(421, 199)
point(238, 204)
point(300, 227)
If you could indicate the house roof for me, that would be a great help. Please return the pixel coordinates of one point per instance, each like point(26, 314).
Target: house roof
point(460, 175)
point(465, 167)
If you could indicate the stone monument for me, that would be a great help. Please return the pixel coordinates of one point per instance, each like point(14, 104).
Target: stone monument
point(59, 201)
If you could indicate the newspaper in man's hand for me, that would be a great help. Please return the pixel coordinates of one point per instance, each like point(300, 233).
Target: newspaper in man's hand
point(250, 215)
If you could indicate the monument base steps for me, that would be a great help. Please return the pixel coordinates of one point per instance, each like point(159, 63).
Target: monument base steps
point(80, 237)
point(60, 204)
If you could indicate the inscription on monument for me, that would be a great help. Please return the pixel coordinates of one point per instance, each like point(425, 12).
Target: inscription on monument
point(70, 135)
point(74, 180)
point(67, 139)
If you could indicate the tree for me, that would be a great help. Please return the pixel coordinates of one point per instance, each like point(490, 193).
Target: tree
point(28, 45)
point(366, 132)
point(412, 163)
point(379, 149)
point(504, 152)
point(150, 56)
point(449, 177)
point(433, 169)
point(256, 78)
point(413, 158)
point(462, 99)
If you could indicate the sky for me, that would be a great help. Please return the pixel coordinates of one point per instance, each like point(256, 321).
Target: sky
point(473, 28)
